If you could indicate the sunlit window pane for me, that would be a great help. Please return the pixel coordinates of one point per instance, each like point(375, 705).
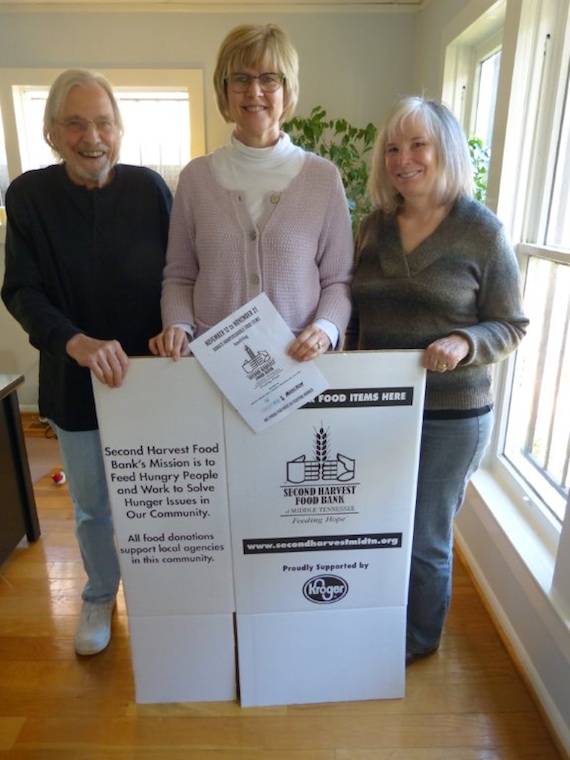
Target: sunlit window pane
point(157, 132)
point(29, 103)
point(558, 230)
point(538, 434)
point(483, 118)
point(4, 181)
point(487, 97)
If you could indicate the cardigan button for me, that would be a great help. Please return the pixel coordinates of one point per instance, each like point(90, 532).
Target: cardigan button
point(254, 279)
point(274, 198)
point(253, 235)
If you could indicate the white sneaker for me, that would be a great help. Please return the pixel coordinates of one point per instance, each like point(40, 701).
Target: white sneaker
point(93, 631)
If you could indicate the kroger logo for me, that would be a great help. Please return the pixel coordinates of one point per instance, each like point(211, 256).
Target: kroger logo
point(325, 589)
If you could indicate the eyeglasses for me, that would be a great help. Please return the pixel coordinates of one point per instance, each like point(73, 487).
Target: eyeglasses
point(269, 81)
point(80, 126)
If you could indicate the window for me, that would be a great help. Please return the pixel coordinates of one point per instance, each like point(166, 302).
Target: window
point(4, 181)
point(157, 131)
point(537, 442)
point(486, 97)
point(29, 103)
point(532, 443)
point(483, 116)
point(558, 224)
point(162, 111)
point(472, 66)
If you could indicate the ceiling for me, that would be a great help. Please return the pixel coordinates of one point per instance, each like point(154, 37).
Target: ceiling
point(20, 5)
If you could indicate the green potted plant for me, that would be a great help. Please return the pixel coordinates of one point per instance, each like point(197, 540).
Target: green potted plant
point(480, 156)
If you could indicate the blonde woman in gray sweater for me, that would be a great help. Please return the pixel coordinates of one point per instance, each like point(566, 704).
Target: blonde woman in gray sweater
point(435, 272)
point(259, 214)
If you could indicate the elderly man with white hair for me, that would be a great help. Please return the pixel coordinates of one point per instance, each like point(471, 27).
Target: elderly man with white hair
point(85, 248)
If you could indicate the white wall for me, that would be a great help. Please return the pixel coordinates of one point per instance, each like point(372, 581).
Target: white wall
point(347, 65)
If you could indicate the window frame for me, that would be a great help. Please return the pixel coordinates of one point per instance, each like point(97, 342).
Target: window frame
point(522, 162)
point(544, 72)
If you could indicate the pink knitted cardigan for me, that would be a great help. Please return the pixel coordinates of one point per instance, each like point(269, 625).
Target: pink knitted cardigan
point(300, 253)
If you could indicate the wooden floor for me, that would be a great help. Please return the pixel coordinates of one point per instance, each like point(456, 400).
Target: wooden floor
point(465, 703)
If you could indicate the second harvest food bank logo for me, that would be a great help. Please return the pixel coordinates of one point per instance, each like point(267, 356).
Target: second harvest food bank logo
point(320, 484)
point(321, 466)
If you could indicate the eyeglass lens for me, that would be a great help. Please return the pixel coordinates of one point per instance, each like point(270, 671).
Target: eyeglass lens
point(102, 126)
point(269, 81)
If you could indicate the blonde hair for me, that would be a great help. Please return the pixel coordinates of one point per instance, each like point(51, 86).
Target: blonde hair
point(454, 172)
point(60, 90)
point(252, 45)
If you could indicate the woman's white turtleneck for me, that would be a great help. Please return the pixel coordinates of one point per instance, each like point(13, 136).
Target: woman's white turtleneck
point(257, 171)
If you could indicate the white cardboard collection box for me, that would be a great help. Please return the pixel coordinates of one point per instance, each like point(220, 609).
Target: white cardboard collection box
point(303, 531)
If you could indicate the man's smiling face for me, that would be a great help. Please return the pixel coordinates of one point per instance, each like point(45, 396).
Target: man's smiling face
point(87, 137)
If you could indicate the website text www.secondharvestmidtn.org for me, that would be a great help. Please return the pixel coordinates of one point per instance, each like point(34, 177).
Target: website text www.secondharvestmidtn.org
point(322, 543)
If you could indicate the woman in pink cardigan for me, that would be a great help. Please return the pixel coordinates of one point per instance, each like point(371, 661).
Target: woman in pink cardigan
point(259, 214)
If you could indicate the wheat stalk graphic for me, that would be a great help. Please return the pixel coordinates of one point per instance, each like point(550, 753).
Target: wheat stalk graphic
point(321, 448)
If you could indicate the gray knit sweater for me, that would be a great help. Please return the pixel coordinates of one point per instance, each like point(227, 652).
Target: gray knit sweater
point(464, 278)
point(300, 253)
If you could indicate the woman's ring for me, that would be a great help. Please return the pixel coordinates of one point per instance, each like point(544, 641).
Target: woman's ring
point(319, 345)
point(443, 367)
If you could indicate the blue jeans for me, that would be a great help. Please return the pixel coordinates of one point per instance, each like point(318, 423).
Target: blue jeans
point(451, 451)
point(85, 472)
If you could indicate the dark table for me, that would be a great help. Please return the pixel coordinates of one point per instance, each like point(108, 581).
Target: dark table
point(18, 514)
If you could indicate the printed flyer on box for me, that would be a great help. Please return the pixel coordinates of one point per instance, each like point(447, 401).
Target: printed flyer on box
point(246, 356)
